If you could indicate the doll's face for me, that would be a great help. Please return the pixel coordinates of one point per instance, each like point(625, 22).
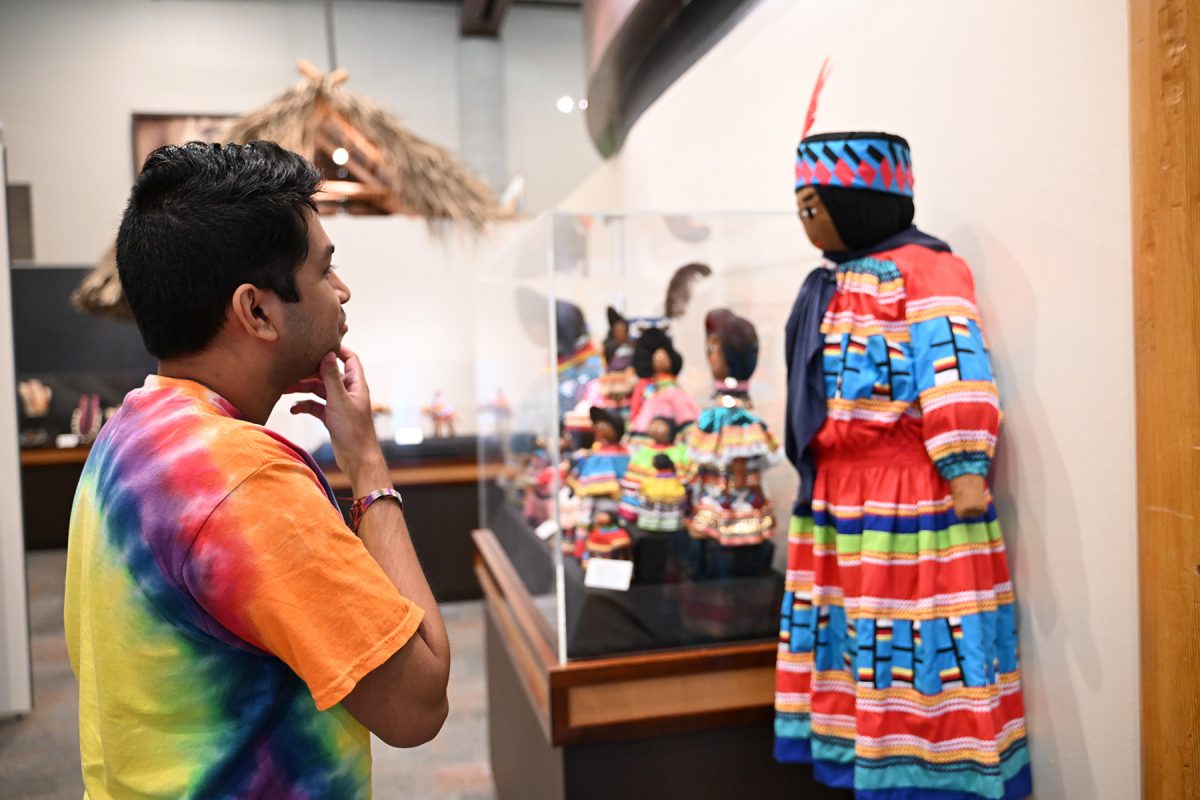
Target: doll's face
point(716, 358)
point(602, 519)
point(659, 431)
point(661, 361)
point(620, 331)
point(604, 432)
point(817, 222)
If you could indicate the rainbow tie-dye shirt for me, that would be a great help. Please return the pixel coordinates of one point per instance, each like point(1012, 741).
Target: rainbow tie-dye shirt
point(218, 610)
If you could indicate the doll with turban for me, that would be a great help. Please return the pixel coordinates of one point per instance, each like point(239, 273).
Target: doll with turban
point(897, 671)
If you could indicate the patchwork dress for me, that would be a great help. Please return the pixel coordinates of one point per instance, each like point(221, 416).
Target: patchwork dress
point(897, 671)
point(734, 515)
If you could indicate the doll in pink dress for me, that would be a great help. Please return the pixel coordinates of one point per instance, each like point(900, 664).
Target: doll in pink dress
point(657, 394)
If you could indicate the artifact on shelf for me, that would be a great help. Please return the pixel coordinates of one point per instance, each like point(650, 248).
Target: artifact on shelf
point(441, 414)
point(373, 164)
point(35, 404)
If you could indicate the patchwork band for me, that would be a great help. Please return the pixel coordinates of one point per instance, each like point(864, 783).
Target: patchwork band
point(875, 162)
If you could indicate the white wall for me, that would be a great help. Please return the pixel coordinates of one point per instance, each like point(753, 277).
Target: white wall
point(73, 71)
point(410, 316)
point(1018, 118)
point(16, 691)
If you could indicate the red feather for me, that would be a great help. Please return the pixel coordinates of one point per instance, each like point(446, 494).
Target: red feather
point(811, 117)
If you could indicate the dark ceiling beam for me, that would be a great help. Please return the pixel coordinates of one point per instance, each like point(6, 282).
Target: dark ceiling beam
point(637, 48)
point(482, 17)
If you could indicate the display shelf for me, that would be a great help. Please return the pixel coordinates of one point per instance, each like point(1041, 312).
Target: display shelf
point(622, 725)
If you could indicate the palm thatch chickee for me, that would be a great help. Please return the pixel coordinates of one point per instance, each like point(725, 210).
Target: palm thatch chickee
point(388, 169)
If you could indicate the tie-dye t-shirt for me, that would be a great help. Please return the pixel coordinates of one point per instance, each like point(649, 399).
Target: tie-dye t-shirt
point(218, 610)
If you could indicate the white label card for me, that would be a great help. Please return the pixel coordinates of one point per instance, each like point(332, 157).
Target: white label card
point(608, 573)
point(546, 529)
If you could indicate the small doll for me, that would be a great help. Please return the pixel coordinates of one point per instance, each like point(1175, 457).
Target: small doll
point(613, 388)
point(440, 413)
point(607, 538)
point(662, 498)
point(598, 472)
point(579, 360)
point(729, 445)
point(657, 394)
point(645, 465)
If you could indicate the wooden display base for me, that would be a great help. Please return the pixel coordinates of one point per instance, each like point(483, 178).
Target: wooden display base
point(692, 723)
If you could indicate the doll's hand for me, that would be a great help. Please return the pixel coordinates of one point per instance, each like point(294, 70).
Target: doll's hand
point(970, 496)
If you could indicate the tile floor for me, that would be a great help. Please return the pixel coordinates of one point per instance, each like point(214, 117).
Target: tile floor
point(39, 755)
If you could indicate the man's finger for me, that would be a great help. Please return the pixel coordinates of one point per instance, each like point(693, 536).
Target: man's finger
point(330, 375)
point(354, 377)
point(310, 407)
point(314, 385)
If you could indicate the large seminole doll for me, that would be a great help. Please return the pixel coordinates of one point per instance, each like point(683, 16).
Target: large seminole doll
point(898, 673)
point(729, 445)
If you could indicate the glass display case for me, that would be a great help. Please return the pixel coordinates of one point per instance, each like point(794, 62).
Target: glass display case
point(633, 518)
point(545, 313)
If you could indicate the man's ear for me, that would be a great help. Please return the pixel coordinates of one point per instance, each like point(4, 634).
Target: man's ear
point(252, 311)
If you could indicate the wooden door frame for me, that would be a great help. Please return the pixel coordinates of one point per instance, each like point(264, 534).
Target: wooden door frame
point(1164, 59)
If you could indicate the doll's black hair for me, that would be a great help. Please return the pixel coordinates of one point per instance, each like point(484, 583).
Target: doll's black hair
point(643, 352)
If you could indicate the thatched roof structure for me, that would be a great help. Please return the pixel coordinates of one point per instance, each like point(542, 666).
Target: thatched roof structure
point(387, 168)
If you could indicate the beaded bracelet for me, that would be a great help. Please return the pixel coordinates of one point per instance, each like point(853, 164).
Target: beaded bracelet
point(361, 504)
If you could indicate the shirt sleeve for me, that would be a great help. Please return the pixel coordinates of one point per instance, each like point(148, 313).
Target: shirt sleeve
point(960, 405)
point(276, 566)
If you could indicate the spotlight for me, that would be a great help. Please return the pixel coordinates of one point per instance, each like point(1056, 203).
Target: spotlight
point(340, 156)
point(566, 104)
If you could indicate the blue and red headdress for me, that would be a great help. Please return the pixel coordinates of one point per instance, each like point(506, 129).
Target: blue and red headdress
point(878, 162)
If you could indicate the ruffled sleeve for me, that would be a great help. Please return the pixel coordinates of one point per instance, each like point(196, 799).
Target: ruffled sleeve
point(959, 401)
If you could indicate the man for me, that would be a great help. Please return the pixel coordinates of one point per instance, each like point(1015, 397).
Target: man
point(231, 636)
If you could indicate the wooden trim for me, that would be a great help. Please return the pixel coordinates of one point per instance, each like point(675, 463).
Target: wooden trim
point(658, 693)
point(1164, 57)
point(665, 664)
point(669, 696)
point(534, 627)
point(533, 674)
point(53, 456)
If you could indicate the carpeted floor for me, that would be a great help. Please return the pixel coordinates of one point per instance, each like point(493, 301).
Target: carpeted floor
point(39, 754)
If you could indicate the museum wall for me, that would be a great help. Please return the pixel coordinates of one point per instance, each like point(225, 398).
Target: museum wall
point(409, 316)
point(1018, 118)
point(72, 72)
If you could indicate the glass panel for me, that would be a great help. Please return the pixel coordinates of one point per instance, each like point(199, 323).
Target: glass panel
point(698, 526)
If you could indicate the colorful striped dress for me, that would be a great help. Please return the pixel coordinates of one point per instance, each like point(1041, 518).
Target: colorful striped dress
point(897, 671)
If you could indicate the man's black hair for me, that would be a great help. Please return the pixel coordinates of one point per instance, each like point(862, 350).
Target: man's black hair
point(202, 219)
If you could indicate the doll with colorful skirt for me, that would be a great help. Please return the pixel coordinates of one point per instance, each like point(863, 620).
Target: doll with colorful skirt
point(606, 538)
point(598, 472)
point(650, 492)
point(730, 446)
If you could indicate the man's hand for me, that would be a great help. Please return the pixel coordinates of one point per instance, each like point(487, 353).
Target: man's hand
point(346, 413)
point(970, 496)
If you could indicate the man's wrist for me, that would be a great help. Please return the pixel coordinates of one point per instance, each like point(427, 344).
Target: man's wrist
point(368, 473)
